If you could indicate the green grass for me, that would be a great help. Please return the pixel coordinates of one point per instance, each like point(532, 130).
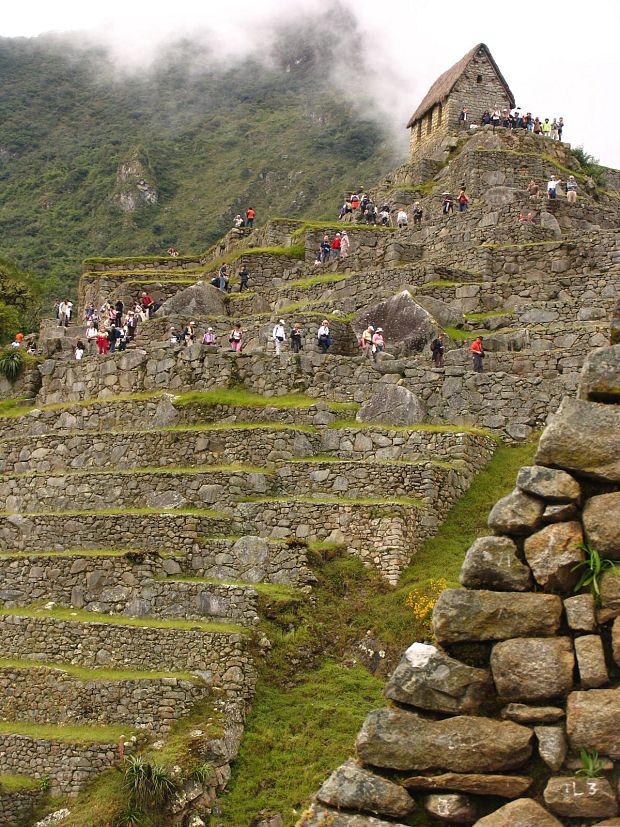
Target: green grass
point(127, 472)
point(76, 552)
point(75, 616)
point(16, 783)
point(338, 226)
point(295, 739)
point(240, 397)
point(480, 317)
point(127, 512)
point(82, 673)
point(238, 426)
point(353, 424)
point(332, 499)
point(138, 260)
point(67, 734)
point(272, 590)
point(312, 281)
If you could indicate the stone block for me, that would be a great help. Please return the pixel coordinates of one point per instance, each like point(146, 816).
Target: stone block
point(319, 816)
point(600, 376)
point(453, 808)
point(493, 563)
point(552, 745)
point(466, 615)
point(601, 518)
point(505, 786)
point(520, 813)
point(430, 679)
point(553, 553)
point(593, 721)
point(533, 669)
point(549, 483)
point(353, 788)
point(524, 714)
point(580, 797)
point(396, 739)
point(581, 611)
point(517, 513)
point(591, 661)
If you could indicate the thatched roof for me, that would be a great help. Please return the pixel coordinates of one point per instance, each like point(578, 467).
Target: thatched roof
point(445, 83)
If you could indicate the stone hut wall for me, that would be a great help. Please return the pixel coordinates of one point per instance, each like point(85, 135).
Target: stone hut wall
point(16, 806)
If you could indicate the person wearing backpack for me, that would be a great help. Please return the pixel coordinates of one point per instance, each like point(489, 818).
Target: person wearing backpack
point(477, 351)
point(278, 335)
point(437, 349)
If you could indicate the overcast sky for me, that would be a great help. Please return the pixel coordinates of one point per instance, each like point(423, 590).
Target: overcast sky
point(559, 58)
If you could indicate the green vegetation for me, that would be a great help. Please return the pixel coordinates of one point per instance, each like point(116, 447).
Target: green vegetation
point(480, 317)
point(591, 765)
point(11, 364)
point(79, 734)
point(342, 424)
point(14, 783)
point(312, 281)
point(166, 469)
point(75, 616)
point(239, 397)
point(592, 569)
point(332, 499)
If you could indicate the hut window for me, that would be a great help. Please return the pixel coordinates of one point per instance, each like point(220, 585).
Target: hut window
point(439, 114)
point(479, 79)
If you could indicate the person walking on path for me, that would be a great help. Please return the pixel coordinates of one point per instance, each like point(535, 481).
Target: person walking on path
point(296, 338)
point(344, 244)
point(401, 219)
point(236, 338)
point(533, 189)
point(463, 201)
point(378, 342)
point(366, 341)
point(209, 337)
point(324, 337)
point(417, 214)
point(437, 349)
point(278, 335)
point(336, 246)
point(244, 275)
point(91, 336)
point(223, 277)
point(477, 351)
point(326, 249)
point(571, 190)
point(447, 207)
point(64, 313)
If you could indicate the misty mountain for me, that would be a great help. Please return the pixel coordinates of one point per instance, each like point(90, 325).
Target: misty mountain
point(95, 160)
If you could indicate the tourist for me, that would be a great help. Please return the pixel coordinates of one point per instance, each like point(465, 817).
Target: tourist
point(296, 338)
point(546, 128)
point(495, 119)
point(249, 217)
point(223, 278)
point(79, 349)
point(172, 251)
point(384, 215)
point(402, 220)
point(118, 314)
point(32, 348)
point(463, 201)
point(244, 275)
point(477, 351)
point(378, 342)
point(533, 190)
point(278, 335)
point(537, 128)
point(344, 244)
point(238, 222)
point(89, 312)
point(560, 128)
point(188, 334)
point(447, 206)
point(64, 313)
point(173, 337)
point(552, 186)
point(326, 249)
point(209, 337)
point(355, 201)
point(132, 324)
point(91, 335)
point(554, 130)
point(366, 341)
point(417, 214)
point(437, 349)
point(324, 337)
point(335, 246)
point(102, 341)
point(370, 213)
point(464, 118)
point(235, 337)
point(571, 190)
point(146, 301)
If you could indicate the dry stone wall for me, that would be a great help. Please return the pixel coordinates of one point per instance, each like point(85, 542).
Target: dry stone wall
point(17, 805)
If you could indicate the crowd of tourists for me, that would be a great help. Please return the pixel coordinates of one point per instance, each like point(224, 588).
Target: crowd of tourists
point(222, 279)
point(331, 249)
point(245, 220)
point(112, 326)
point(515, 119)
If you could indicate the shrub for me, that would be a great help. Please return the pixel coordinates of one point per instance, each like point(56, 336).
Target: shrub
point(591, 764)
point(11, 364)
point(422, 602)
point(592, 569)
point(589, 164)
point(148, 784)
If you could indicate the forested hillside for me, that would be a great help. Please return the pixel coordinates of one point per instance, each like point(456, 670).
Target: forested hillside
point(188, 143)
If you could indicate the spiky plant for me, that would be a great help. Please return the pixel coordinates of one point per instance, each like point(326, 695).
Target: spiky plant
point(11, 364)
point(149, 784)
point(592, 569)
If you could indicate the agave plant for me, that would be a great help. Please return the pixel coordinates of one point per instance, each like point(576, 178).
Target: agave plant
point(591, 764)
point(592, 569)
point(11, 364)
point(149, 784)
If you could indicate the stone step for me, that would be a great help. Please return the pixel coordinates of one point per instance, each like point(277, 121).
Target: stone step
point(68, 757)
point(219, 652)
point(122, 529)
point(61, 694)
point(212, 445)
point(134, 585)
point(224, 485)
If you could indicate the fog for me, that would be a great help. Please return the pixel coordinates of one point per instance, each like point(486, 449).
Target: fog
point(558, 60)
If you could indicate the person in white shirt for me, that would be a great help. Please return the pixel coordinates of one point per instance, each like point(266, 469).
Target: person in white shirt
point(325, 340)
point(64, 313)
point(278, 335)
point(401, 219)
point(91, 336)
point(552, 186)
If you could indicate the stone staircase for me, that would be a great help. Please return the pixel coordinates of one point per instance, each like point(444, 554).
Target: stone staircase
point(148, 516)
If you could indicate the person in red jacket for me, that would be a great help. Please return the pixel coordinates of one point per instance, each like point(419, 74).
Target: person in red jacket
point(335, 246)
point(249, 217)
point(477, 351)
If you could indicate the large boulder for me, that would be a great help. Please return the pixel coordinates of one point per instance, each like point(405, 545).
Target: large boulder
point(615, 324)
point(583, 437)
point(493, 563)
point(520, 813)
point(601, 518)
point(444, 314)
point(548, 483)
point(392, 405)
point(407, 326)
point(466, 615)
point(600, 376)
point(581, 797)
point(353, 788)
point(430, 679)
point(593, 721)
point(553, 553)
point(200, 300)
point(396, 739)
point(533, 669)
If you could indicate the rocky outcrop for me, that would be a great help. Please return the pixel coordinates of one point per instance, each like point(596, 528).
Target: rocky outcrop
point(392, 405)
point(408, 326)
point(136, 184)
